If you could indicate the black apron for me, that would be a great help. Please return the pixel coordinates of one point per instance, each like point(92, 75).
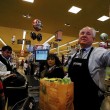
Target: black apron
point(85, 90)
point(9, 68)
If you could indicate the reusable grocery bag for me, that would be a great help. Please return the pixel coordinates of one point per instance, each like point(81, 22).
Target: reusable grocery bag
point(105, 103)
point(55, 95)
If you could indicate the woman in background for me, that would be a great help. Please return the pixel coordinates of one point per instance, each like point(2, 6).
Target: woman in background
point(53, 68)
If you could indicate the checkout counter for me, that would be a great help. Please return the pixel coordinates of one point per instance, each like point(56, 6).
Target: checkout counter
point(30, 102)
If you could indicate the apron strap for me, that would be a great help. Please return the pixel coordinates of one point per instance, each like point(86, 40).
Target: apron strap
point(90, 53)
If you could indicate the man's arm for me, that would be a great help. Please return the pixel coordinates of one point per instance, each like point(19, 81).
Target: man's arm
point(3, 70)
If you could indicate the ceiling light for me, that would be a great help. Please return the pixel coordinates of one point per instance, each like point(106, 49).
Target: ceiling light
point(24, 36)
point(67, 24)
point(74, 9)
point(103, 18)
point(2, 41)
point(24, 16)
point(63, 45)
point(69, 43)
point(49, 39)
point(95, 43)
point(73, 41)
point(31, 1)
point(27, 16)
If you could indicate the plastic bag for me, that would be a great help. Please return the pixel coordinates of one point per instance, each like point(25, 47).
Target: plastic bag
point(25, 104)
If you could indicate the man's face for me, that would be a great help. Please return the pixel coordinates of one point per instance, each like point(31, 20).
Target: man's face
point(86, 37)
point(7, 54)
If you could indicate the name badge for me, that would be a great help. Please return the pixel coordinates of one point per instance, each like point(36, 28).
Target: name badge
point(77, 64)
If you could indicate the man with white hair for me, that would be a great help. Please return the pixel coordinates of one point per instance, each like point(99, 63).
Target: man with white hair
point(87, 71)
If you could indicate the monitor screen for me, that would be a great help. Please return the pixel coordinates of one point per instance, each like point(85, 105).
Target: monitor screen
point(41, 55)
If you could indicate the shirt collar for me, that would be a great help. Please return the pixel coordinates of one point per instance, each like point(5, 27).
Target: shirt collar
point(5, 58)
point(50, 68)
point(88, 48)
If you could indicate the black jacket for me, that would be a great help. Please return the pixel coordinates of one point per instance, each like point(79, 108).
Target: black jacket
point(56, 72)
point(9, 68)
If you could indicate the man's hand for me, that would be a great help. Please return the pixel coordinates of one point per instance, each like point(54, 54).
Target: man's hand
point(10, 75)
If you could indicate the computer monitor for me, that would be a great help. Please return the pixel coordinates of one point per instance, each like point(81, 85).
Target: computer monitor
point(41, 55)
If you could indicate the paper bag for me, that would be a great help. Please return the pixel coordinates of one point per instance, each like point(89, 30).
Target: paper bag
point(56, 96)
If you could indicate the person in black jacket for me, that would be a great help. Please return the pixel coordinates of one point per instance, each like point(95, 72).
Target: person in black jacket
point(5, 67)
point(53, 68)
point(8, 77)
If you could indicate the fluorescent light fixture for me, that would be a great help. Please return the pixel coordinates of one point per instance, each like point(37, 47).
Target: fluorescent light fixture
point(73, 41)
point(63, 45)
point(95, 43)
point(74, 9)
point(24, 36)
point(49, 39)
point(31, 1)
point(2, 41)
point(67, 24)
point(103, 18)
point(63, 51)
point(69, 43)
point(28, 16)
point(23, 45)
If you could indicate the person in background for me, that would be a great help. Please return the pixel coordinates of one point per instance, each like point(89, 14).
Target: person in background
point(87, 71)
point(26, 66)
point(22, 63)
point(53, 68)
point(32, 67)
point(5, 72)
point(5, 67)
point(8, 77)
point(14, 67)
